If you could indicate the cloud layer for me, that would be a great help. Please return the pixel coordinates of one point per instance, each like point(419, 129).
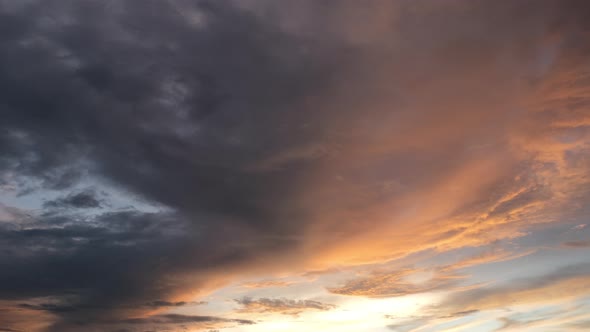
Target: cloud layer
point(261, 138)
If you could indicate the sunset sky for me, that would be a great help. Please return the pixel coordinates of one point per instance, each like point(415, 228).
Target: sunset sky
point(294, 165)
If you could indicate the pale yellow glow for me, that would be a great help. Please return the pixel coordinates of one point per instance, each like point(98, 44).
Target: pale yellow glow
point(352, 314)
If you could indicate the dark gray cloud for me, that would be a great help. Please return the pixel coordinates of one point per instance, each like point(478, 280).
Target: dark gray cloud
point(167, 322)
point(143, 108)
point(178, 319)
point(82, 200)
point(160, 303)
point(170, 109)
point(107, 258)
point(61, 307)
point(103, 268)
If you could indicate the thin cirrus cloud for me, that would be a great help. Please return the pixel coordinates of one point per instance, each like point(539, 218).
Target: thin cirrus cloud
point(526, 304)
point(271, 140)
point(406, 281)
point(266, 284)
point(569, 282)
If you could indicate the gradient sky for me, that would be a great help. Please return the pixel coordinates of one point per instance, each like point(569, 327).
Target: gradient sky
point(261, 165)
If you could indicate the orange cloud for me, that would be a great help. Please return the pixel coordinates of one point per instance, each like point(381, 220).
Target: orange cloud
point(396, 284)
point(577, 244)
point(16, 319)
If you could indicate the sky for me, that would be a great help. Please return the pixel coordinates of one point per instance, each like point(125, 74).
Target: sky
point(263, 165)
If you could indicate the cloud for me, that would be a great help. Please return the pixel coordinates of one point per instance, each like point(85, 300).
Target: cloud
point(61, 307)
point(577, 244)
point(563, 317)
point(546, 301)
point(581, 325)
point(460, 313)
point(164, 322)
point(12, 214)
point(266, 284)
point(160, 303)
point(407, 326)
point(278, 137)
point(72, 258)
point(384, 283)
point(398, 283)
point(566, 283)
point(138, 252)
point(22, 319)
point(281, 306)
point(82, 200)
point(86, 84)
point(183, 319)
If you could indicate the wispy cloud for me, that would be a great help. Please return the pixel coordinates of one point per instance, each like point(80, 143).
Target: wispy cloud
point(566, 283)
point(577, 244)
point(266, 284)
point(419, 280)
point(281, 306)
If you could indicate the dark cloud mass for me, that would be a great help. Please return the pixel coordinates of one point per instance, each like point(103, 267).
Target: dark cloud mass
point(259, 133)
point(163, 106)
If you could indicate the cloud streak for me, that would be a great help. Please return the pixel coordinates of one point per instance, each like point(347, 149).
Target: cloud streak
point(409, 281)
point(281, 306)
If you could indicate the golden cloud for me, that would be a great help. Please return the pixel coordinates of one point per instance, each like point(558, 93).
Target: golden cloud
point(281, 306)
